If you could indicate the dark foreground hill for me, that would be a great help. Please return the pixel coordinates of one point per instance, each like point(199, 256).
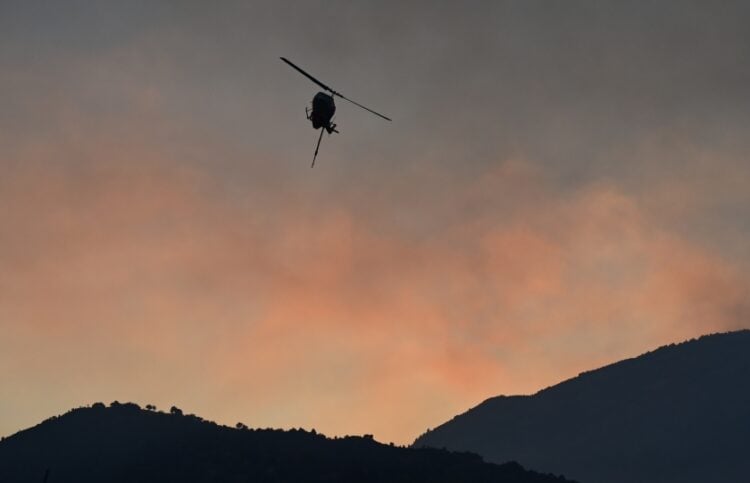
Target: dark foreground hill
point(123, 443)
point(679, 414)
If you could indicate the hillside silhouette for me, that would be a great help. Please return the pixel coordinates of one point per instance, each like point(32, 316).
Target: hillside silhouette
point(680, 413)
point(124, 443)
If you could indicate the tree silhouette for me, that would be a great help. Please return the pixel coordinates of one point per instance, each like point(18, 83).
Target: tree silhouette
point(123, 444)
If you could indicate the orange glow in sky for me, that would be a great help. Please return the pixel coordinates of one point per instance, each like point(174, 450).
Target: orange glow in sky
point(165, 242)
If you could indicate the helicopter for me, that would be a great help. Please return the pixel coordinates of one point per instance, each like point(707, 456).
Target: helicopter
point(323, 108)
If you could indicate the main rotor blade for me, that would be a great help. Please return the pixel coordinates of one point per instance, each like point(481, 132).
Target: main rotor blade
point(329, 89)
point(307, 75)
point(363, 107)
point(317, 146)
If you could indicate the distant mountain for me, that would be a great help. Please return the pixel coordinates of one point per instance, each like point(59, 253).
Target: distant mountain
point(679, 414)
point(123, 443)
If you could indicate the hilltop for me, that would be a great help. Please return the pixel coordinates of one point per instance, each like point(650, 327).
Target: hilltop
point(678, 414)
point(124, 443)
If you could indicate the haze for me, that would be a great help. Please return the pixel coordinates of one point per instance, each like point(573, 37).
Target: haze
point(564, 184)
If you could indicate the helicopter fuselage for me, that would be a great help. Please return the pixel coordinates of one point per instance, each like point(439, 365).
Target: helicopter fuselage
point(323, 109)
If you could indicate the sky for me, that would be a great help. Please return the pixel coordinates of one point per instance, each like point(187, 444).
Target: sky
point(563, 185)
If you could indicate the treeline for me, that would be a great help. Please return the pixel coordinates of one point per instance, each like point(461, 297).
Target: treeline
point(123, 443)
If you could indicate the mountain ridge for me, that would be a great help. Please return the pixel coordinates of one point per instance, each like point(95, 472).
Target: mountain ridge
point(124, 443)
point(662, 412)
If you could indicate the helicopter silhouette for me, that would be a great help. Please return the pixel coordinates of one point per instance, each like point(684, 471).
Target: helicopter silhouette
point(323, 108)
